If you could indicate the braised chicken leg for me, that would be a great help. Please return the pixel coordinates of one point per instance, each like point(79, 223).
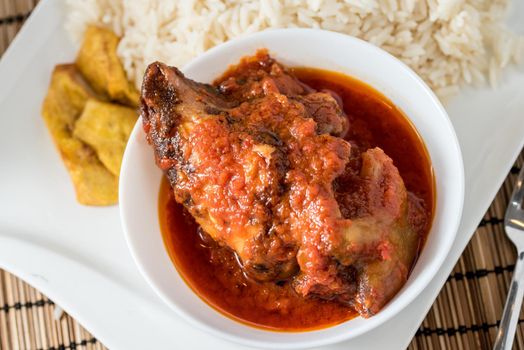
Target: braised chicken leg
point(254, 160)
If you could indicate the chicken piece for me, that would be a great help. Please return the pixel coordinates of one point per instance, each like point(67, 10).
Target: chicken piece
point(255, 160)
point(382, 243)
point(251, 78)
point(99, 64)
point(385, 203)
point(373, 256)
point(226, 179)
point(257, 75)
point(106, 128)
point(326, 112)
point(254, 175)
point(65, 100)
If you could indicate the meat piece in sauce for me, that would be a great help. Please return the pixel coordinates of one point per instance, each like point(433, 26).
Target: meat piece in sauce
point(382, 241)
point(254, 159)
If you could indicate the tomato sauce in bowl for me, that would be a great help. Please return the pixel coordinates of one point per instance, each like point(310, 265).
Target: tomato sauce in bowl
point(214, 273)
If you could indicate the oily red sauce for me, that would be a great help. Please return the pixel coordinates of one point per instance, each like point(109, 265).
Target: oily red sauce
point(213, 271)
point(215, 275)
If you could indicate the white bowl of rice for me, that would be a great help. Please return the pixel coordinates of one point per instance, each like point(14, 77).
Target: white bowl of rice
point(140, 179)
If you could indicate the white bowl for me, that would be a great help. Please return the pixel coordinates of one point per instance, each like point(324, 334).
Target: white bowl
point(140, 179)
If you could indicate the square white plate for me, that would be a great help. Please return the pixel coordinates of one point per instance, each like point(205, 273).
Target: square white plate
point(77, 255)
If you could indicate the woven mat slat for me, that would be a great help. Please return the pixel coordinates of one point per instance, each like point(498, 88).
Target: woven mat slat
point(468, 309)
point(464, 316)
point(26, 320)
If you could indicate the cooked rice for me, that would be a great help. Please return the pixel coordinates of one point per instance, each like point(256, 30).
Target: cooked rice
point(449, 43)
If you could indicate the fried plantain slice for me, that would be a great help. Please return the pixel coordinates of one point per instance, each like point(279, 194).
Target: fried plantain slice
point(65, 100)
point(99, 64)
point(106, 128)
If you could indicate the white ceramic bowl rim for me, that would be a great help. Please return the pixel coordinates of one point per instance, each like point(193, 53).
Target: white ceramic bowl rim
point(139, 179)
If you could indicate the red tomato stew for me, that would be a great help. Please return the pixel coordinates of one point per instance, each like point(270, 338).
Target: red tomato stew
point(312, 291)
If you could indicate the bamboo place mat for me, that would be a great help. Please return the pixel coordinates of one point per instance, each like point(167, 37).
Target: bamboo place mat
point(464, 316)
